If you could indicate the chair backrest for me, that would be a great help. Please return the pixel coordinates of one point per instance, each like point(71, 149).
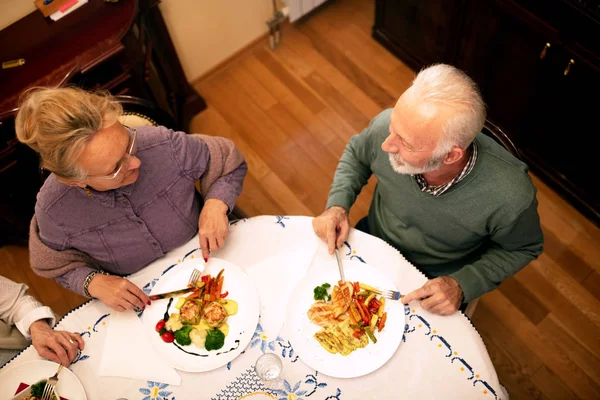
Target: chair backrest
point(138, 112)
point(492, 130)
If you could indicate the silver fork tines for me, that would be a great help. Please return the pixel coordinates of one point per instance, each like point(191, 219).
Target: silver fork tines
point(389, 294)
point(51, 385)
point(195, 277)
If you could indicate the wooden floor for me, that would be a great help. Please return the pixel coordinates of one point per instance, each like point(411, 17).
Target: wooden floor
point(292, 112)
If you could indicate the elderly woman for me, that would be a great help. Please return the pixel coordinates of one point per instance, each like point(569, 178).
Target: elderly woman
point(119, 198)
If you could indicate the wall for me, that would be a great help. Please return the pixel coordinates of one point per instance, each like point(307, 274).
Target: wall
point(14, 10)
point(206, 32)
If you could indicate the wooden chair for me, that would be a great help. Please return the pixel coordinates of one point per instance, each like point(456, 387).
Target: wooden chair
point(492, 130)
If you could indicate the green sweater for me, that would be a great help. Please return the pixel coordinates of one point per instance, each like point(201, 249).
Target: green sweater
point(480, 231)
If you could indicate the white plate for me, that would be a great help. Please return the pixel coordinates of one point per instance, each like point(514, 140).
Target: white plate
point(241, 325)
point(361, 361)
point(31, 372)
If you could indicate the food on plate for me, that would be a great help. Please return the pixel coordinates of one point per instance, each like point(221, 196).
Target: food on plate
point(352, 317)
point(320, 292)
point(341, 298)
point(340, 338)
point(37, 390)
point(214, 314)
point(214, 340)
point(190, 312)
point(202, 316)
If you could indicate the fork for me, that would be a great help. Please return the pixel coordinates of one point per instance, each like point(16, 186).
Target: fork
point(50, 385)
point(388, 293)
point(195, 277)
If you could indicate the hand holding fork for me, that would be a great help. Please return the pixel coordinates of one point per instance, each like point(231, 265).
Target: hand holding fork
point(50, 387)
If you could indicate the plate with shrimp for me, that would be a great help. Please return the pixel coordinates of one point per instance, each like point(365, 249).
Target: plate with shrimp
point(208, 326)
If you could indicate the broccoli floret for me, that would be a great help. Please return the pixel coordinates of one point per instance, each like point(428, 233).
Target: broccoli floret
point(182, 336)
point(37, 389)
point(214, 340)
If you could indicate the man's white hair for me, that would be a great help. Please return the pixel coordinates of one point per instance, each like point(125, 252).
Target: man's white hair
point(445, 85)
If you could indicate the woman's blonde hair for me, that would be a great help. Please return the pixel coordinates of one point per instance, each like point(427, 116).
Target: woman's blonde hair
point(59, 122)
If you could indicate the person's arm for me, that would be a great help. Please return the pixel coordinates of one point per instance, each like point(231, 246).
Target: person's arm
point(512, 247)
point(352, 173)
point(353, 170)
point(50, 259)
point(19, 309)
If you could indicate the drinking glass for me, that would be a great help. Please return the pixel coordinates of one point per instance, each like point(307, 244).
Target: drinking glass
point(268, 367)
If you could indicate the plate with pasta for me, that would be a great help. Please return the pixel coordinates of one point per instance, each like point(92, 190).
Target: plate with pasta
point(345, 329)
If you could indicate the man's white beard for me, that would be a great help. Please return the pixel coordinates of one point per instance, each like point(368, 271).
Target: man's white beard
point(400, 166)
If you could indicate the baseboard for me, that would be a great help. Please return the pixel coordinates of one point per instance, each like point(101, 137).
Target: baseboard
point(241, 53)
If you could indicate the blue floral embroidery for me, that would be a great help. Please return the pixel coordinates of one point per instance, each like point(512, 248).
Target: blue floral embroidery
point(287, 350)
point(352, 253)
point(442, 342)
point(155, 390)
point(189, 254)
point(260, 337)
point(313, 380)
point(336, 396)
point(280, 219)
point(80, 356)
point(290, 392)
point(99, 320)
point(149, 286)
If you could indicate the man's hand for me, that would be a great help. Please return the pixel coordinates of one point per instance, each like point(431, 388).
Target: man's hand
point(332, 227)
point(441, 295)
point(118, 293)
point(213, 226)
point(57, 346)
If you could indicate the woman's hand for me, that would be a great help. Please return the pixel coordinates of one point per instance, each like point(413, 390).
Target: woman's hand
point(57, 346)
point(118, 293)
point(213, 226)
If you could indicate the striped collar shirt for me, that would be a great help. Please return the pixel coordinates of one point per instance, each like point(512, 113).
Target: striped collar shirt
point(438, 190)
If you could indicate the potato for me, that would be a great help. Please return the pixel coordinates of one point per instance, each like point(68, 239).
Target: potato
point(224, 328)
point(230, 306)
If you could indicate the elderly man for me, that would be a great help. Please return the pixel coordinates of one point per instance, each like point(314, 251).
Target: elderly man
point(455, 203)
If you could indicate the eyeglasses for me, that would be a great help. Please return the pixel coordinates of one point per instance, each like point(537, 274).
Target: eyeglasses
point(121, 166)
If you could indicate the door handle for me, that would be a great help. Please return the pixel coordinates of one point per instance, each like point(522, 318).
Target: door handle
point(568, 68)
point(544, 50)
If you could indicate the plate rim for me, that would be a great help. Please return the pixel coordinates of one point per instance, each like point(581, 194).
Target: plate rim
point(10, 368)
point(291, 326)
point(242, 345)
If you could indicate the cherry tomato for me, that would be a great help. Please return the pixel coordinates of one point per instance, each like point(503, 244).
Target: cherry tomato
point(167, 337)
point(160, 325)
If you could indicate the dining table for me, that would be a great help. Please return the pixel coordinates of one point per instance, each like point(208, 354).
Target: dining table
point(434, 357)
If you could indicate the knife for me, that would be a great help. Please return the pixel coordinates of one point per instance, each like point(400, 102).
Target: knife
point(171, 293)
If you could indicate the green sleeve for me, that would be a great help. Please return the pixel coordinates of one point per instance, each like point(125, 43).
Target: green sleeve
point(353, 170)
point(512, 247)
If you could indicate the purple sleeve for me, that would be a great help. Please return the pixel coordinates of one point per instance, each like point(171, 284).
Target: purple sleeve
point(54, 237)
point(74, 279)
point(228, 187)
point(194, 156)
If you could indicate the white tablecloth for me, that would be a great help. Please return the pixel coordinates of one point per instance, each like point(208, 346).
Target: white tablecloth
point(440, 357)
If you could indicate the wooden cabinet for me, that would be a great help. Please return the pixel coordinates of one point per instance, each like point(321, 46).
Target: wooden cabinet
point(400, 25)
point(535, 62)
point(122, 47)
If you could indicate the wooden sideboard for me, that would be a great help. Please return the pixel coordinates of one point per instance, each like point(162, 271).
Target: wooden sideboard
point(122, 47)
point(536, 62)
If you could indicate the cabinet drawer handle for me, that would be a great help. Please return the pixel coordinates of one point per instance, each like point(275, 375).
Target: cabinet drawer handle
point(544, 50)
point(568, 69)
